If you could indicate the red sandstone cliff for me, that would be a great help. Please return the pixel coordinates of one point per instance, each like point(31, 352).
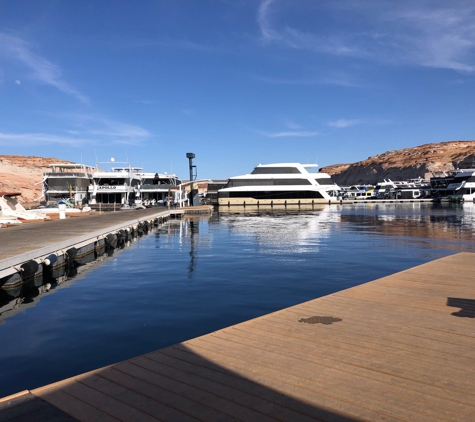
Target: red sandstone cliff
point(24, 174)
point(403, 164)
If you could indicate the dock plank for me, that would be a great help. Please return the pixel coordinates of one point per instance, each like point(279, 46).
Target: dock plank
point(253, 407)
point(76, 408)
point(401, 348)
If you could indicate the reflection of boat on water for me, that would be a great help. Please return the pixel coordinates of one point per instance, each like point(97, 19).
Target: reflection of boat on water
point(36, 272)
point(18, 299)
point(422, 220)
point(288, 184)
point(285, 231)
point(268, 209)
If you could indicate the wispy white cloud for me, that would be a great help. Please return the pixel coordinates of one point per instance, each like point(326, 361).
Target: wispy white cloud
point(441, 37)
point(103, 128)
point(294, 134)
point(120, 130)
point(263, 19)
point(433, 34)
point(31, 139)
point(292, 125)
point(302, 40)
point(344, 123)
point(44, 71)
point(81, 130)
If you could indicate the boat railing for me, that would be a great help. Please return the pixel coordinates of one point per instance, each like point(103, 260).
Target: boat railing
point(66, 187)
point(151, 187)
point(68, 174)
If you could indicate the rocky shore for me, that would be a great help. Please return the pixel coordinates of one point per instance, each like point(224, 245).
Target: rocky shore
point(404, 164)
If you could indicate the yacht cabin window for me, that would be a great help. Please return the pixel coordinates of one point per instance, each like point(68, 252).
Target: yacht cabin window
point(276, 170)
point(325, 181)
point(266, 182)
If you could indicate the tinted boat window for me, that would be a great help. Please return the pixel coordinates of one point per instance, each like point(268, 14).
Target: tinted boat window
point(276, 170)
point(325, 181)
point(266, 182)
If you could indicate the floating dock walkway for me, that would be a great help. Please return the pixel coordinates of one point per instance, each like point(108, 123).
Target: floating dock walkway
point(401, 348)
point(36, 240)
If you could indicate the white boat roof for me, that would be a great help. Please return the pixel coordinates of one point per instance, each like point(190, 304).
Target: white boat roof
point(127, 169)
point(71, 166)
point(307, 166)
point(118, 174)
point(152, 174)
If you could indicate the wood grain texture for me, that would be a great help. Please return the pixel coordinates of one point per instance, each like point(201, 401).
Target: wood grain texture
point(401, 348)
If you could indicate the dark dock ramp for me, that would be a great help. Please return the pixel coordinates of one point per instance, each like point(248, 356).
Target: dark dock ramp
point(400, 348)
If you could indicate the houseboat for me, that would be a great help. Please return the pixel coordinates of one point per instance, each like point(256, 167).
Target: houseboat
point(65, 180)
point(279, 184)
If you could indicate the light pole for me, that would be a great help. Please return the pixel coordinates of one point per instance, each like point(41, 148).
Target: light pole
point(190, 157)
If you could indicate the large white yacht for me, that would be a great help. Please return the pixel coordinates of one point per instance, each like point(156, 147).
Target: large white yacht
point(279, 184)
point(67, 180)
point(114, 189)
point(156, 187)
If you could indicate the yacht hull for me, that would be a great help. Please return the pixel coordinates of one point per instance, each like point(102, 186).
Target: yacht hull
point(295, 202)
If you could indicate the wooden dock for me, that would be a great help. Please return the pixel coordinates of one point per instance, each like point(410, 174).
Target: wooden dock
point(401, 348)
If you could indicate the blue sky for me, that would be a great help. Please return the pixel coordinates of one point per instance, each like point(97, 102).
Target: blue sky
point(237, 82)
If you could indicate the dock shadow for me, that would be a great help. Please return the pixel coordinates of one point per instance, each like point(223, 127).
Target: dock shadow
point(467, 307)
point(176, 383)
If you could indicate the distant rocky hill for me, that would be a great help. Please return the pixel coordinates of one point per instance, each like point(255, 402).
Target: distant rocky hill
point(24, 174)
point(403, 164)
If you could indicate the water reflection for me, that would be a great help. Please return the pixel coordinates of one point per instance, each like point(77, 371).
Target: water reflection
point(451, 223)
point(187, 232)
point(60, 269)
point(281, 233)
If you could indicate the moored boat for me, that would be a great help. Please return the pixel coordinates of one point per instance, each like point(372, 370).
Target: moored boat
point(67, 180)
point(11, 208)
point(288, 184)
point(114, 189)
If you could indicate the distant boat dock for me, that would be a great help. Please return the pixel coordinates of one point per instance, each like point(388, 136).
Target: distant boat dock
point(400, 348)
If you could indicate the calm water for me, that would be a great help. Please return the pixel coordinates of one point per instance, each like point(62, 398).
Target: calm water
point(194, 276)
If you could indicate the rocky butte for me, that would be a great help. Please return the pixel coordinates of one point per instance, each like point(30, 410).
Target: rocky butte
point(24, 174)
point(404, 164)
